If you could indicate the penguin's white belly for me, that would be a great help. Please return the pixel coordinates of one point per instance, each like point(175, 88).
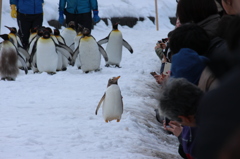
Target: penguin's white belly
point(68, 36)
point(89, 55)
point(114, 49)
point(47, 58)
point(112, 104)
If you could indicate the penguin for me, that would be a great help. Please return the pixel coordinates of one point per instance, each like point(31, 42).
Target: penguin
point(76, 42)
point(46, 51)
point(112, 108)
point(9, 56)
point(69, 33)
point(32, 49)
point(115, 42)
point(60, 56)
point(18, 44)
point(89, 52)
point(61, 41)
point(33, 33)
point(59, 37)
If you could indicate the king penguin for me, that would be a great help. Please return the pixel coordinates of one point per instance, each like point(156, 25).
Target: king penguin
point(89, 52)
point(76, 43)
point(115, 42)
point(69, 34)
point(47, 51)
point(9, 56)
point(18, 44)
point(112, 108)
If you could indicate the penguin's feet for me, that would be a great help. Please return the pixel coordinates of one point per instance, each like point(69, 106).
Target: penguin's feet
point(64, 68)
point(118, 120)
point(86, 72)
point(21, 68)
point(79, 67)
point(59, 70)
point(3, 78)
point(107, 65)
point(51, 73)
point(36, 72)
point(8, 79)
point(97, 70)
point(117, 66)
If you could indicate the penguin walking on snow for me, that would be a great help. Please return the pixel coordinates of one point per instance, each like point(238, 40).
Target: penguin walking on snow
point(89, 52)
point(115, 42)
point(69, 34)
point(9, 56)
point(112, 108)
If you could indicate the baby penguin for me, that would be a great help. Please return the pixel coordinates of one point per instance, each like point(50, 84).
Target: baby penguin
point(112, 101)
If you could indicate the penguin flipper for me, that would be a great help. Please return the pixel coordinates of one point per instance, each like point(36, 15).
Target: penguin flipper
point(100, 102)
point(75, 53)
point(126, 45)
point(103, 52)
point(19, 43)
point(72, 46)
point(103, 41)
point(24, 52)
point(21, 59)
point(65, 51)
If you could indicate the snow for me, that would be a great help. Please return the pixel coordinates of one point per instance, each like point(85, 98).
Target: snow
point(53, 116)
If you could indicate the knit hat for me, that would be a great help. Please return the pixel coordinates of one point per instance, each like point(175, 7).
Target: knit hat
point(188, 64)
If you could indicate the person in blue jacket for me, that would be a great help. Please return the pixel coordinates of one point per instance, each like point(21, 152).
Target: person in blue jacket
point(29, 14)
point(79, 11)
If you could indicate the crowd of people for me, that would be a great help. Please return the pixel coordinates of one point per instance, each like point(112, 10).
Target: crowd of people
point(200, 94)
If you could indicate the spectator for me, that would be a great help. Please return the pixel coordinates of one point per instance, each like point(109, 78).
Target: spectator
point(218, 117)
point(232, 7)
point(79, 11)
point(29, 14)
point(201, 12)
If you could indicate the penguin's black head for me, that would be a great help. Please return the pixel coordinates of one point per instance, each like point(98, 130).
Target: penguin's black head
point(80, 28)
point(86, 32)
point(113, 80)
point(33, 30)
point(56, 32)
point(71, 24)
point(46, 34)
point(115, 26)
point(5, 36)
point(12, 29)
point(40, 31)
point(49, 30)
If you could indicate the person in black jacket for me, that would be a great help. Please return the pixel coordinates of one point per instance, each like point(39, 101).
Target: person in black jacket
point(29, 14)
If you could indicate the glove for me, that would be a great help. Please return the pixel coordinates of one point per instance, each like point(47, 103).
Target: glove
point(61, 18)
point(96, 18)
point(13, 11)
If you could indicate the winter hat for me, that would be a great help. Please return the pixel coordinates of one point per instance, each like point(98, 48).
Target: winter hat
point(188, 64)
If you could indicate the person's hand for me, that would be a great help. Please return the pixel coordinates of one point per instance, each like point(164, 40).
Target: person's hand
point(163, 45)
point(13, 11)
point(173, 127)
point(160, 78)
point(61, 18)
point(96, 18)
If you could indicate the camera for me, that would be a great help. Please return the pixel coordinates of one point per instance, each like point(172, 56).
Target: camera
point(165, 40)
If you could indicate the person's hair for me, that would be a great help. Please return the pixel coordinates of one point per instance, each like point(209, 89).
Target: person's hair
point(189, 36)
point(195, 10)
point(179, 97)
point(233, 38)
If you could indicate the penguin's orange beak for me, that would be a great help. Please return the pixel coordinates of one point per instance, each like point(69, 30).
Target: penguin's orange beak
point(116, 78)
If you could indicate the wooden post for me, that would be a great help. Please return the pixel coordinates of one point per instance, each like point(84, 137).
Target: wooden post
point(0, 16)
point(156, 17)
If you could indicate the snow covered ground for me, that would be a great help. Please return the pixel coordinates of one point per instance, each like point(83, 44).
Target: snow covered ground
point(52, 117)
